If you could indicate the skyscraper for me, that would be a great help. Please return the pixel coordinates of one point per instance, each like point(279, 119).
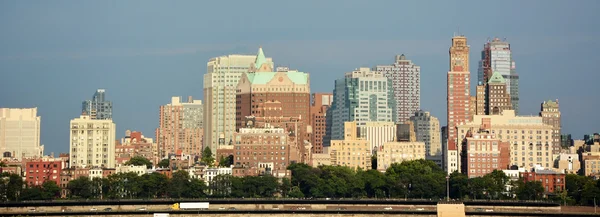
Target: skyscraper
point(264, 92)
point(497, 57)
point(550, 114)
point(92, 143)
point(180, 128)
point(427, 130)
point(362, 95)
point(20, 133)
point(405, 77)
point(458, 97)
point(220, 82)
point(98, 107)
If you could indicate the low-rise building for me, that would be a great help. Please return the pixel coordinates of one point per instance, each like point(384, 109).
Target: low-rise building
point(211, 173)
point(551, 180)
point(140, 170)
point(397, 152)
point(41, 170)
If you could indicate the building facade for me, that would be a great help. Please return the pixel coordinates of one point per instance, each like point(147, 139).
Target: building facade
point(281, 93)
point(550, 113)
point(427, 130)
point(480, 98)
point(319, 104)
point(20, 133)
point(40, 170)
point(92, 143)
point(377, 133)
point(98, 107)
point(352, 151)
point(497, 57)
point(397, 152)
point(458, 85)
point(551, 180)
point(362, 96)
point(496, 95)
point(482, 153)
point(259, 146)
point(529, 138)
point(405, 77)
point(220, 84)
point(180, 128)
point(135, 144)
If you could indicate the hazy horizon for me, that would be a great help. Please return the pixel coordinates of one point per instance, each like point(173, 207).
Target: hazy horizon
point(55, 54)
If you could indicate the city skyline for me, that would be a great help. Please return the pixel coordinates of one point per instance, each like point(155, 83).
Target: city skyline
point(129, 74)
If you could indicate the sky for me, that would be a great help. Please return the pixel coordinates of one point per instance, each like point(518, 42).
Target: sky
point(55, 54)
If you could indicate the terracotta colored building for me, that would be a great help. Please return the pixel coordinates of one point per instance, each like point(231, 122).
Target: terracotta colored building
point(264, 92)
point(180, 127)
point(458, 85)
point(135, 144)
point(319, 103)
point(266, 147)
point(39, 171)
point(551, 180)
point(483, 153)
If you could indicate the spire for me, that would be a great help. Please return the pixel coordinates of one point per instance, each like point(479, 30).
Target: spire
point(260, 58)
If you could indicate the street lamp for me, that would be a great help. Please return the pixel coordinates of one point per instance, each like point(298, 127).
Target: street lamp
point(447, 188)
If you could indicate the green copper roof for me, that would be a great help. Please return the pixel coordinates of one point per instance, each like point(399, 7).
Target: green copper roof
point(260, 58)
point(496, 78)
point(265, 77)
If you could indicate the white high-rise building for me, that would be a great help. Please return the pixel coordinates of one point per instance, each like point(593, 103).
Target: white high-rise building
point(427, 130)
point(406, 80)
point(20, 133)
point(92, 143)
point(362, 96)
point(378, 133)
point(220, 83)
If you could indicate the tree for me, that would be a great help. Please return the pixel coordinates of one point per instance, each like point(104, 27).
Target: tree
point(374, 162)
point(226, 161)
point(532, 190)
point(50, 190)
point(417, 179)
point(459, 184)
point(207, 157)
point(496, 183)
point(80, 188)
point(164, 163)
point(11, 187)
point(179, 184)
point(154, 185)
point(139, 161)
point(285, 187)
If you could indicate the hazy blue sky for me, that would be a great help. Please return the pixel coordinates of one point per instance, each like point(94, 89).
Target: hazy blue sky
point(55, 54)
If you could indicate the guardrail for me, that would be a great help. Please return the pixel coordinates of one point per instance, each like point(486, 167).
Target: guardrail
point(385, 212)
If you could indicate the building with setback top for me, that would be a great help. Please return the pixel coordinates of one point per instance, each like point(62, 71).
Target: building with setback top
point(362, 96)
point(458, 98)
point(262, 91)
point(405, 77)
point(220, 85)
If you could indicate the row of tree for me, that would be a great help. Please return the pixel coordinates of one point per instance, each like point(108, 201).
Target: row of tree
point(409, 179)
